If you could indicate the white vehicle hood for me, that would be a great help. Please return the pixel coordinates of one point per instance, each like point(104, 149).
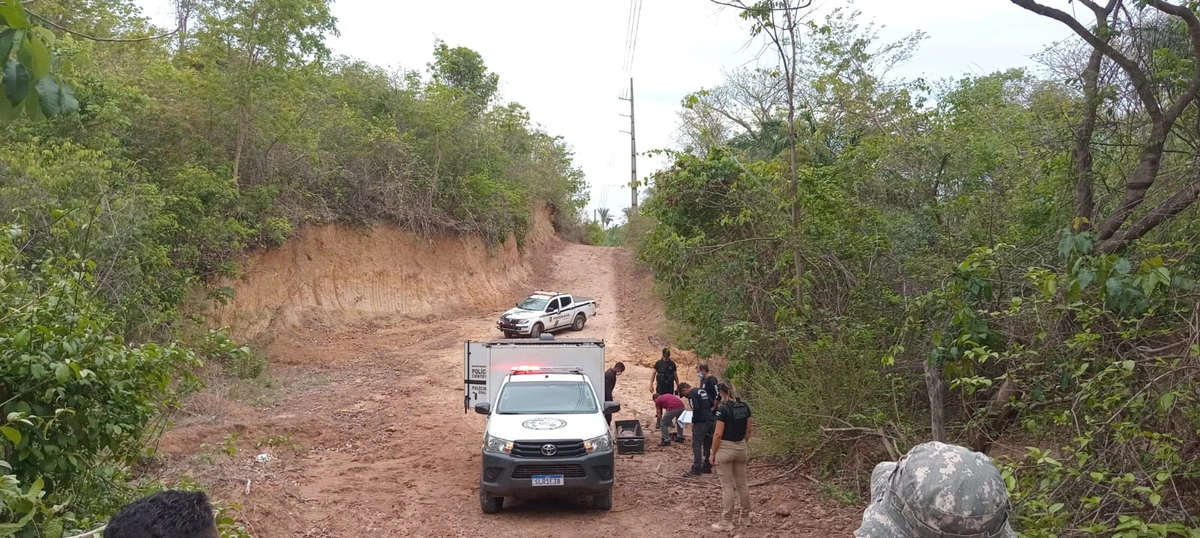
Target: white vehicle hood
point(547, 427)
point(521, 313)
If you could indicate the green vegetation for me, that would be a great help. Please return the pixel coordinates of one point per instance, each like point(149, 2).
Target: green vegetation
point(1001, 261)
point(136, 167)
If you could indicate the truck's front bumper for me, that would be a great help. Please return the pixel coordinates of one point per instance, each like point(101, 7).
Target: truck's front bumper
point(513, 328)
point(505, 475)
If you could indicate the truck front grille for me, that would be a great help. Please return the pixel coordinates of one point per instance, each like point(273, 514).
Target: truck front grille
point(562, 449)
point(568, 471)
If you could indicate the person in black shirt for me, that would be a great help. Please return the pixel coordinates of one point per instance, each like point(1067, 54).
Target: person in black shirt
point(610, 383)
point(729, 456)
point(709, 382)
point(665, 375)
point(702, 427)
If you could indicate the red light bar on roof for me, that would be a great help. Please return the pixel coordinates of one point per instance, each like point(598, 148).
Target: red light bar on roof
point(533, 369)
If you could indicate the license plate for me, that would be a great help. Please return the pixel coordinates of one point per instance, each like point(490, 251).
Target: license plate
point(547, 480)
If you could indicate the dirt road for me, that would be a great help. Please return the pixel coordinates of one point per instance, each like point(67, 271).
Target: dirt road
point(366, 434)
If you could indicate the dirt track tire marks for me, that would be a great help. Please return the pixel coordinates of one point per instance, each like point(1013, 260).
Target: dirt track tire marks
point(390, 451)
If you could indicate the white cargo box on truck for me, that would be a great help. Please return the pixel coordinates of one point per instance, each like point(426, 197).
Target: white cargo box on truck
point(486, 363)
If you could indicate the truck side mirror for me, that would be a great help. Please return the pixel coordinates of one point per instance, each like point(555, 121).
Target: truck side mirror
point(483, 408)
point(609, 408)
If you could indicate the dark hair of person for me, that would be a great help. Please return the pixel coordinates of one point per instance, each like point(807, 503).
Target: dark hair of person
point(703, 367)
point(166, 514)
point(682, 387)
point(666, 352)
point(620, 367)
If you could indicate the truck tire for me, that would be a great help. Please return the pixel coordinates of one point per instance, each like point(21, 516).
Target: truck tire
point(602, 501)
point(490, 504)
point(535, 331)
point(508, 334)
point(580, 321)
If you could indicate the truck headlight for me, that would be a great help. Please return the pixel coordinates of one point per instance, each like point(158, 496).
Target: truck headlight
point(496, 444)
point(599, 444)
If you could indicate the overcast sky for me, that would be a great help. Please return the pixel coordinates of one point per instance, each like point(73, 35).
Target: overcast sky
point(564, 59)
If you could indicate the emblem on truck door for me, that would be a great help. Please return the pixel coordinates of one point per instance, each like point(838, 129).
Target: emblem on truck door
point(549, 450)
point(544, 423)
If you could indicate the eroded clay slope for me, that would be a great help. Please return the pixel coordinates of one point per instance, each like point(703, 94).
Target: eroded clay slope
point(338, 275)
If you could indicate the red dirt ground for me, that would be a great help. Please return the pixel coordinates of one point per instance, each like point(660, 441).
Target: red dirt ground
point(367, 435)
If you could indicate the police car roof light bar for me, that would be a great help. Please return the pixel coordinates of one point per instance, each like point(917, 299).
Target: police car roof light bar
point(529, 369)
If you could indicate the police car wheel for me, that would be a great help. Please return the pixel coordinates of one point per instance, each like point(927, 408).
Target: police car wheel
point(490, 504)
point(508, 334)
point(602, 501)
point(580, 320)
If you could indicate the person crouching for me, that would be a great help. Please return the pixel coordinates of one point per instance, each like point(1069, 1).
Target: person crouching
point(668, 408)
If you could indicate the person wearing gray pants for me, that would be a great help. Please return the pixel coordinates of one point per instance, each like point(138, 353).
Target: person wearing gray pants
point(668, 407)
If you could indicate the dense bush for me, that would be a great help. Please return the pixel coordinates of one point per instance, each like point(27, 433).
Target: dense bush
point(942, 264)
point(168, 159)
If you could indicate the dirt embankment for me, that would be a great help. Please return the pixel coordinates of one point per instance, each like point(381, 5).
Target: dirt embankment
point(358, 427)
point(337, 275)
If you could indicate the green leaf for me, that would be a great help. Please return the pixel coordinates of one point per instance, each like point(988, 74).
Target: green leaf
point(66, 99)
point(1155, 499)
point(16, 82)
point(12, 434)
point(1148, 282)
point(49, 97)
point(1164, 274)
point(14, 14)
point(6, 45)
point(1122, 266)
point(34, 55)
point(32, 108)
point(62, 373)
point(21, 339)
point(1127, 365)
point(1055, 507)
point(1166, 401)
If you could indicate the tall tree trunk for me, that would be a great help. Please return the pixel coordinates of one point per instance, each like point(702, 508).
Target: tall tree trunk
point(1081, 155)
point(936, 387)
point(790, 72)
point(239, 146)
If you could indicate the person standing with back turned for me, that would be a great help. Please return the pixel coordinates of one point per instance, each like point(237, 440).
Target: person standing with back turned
point(610, 383)
point(729, 456)
point(665, 375)
point(702, 427)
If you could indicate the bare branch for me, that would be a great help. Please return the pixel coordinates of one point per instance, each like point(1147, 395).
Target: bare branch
point(1136, 75)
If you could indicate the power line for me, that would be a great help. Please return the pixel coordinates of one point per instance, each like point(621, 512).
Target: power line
point(637, 25)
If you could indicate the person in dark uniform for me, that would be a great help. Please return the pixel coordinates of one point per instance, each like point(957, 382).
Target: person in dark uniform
point(702, 427)
point(610, 383)
point(665, 376)
point(709, 382)
point(729, 457)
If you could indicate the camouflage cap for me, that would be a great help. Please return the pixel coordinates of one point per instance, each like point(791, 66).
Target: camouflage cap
point(937, 491)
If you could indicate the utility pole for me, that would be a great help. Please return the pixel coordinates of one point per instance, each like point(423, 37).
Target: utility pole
point(633, 177)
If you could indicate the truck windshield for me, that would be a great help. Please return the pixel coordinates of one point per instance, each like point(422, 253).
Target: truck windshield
point(534, 303)
point(547, 398)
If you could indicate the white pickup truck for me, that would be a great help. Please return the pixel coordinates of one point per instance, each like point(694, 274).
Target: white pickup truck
point(545, 434)
point(546, 311)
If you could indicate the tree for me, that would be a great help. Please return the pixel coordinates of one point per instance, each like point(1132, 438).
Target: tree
point(605, 218)
point(256, 49)
point(463, 69)
point(780, 21)
point(1163, 105)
